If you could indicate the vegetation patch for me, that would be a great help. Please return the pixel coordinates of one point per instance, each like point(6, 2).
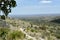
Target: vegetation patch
point(15, 35)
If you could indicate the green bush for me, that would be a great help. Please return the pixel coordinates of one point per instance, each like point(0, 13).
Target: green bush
point(3, 33)
point(3, 17)
point(16, 35)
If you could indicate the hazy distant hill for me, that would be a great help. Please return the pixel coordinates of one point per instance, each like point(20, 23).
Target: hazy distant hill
point(33, 15)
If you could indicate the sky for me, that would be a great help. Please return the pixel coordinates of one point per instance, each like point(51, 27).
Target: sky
point(30, 7)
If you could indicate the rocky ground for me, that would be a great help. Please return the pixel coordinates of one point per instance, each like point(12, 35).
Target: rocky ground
point(31, 31)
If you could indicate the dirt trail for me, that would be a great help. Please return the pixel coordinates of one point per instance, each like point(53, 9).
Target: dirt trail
point(21, 29)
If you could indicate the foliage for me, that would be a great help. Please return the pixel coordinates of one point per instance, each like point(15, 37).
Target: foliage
point(15, 35)
point(3, 32)
point(6, 34)
point(3, 17)
point(6, 5)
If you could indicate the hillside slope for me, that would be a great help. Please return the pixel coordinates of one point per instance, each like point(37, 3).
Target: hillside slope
point(28, 31)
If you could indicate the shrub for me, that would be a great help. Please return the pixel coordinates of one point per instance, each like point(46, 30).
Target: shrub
point(3, 32)
point(15, 35)
point(3, 17)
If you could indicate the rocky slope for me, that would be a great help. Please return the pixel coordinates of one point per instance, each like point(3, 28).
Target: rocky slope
point(22, 30)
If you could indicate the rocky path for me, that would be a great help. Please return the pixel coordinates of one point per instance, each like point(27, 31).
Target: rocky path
point(21, 29)
point(28, 36)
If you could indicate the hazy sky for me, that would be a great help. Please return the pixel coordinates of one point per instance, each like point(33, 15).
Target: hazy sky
point(29, 7)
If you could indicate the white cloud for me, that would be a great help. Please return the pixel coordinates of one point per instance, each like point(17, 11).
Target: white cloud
point(45, 1)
